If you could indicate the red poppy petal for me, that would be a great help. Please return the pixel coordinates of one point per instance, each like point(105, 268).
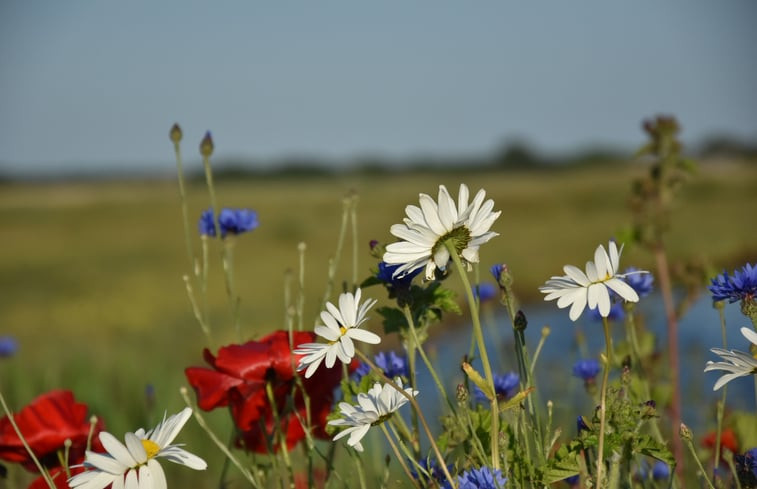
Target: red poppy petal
point(212, 387)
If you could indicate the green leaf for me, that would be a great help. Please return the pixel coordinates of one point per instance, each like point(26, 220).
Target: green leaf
point(647, 445)
point(394, 320)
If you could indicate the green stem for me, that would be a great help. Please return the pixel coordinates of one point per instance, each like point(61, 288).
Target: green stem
point(183, 198)
point(603, 403)
point(720, 408)
point(399, 456)
point(228, 269)
point(415, 439)
point(699, 462)
point(477, 331)
point(414, 404)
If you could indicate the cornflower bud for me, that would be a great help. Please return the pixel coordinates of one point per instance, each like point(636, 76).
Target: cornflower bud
point(685, 433)
point(520, 322)
point(206, 146)
point(175, 133)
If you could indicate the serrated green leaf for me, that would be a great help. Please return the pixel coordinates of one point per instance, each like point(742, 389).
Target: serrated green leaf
point(394, 320)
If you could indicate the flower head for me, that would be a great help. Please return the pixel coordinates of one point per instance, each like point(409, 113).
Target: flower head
point(373, 407)
point(741, 286)
point(586, 369)
point(639, 280)
point(504, 386)
point(746, 468)
point(238, 377)
point(392, 364)
point(485, 291)
point(483, 478)
point(47, 422)
point(8, 346)
point(206, 225)
point(577, 289)
point(737, 363)
point(427, 229)
point(237, 221)
point(660, 471)
point(133, 465)
point(340, 327)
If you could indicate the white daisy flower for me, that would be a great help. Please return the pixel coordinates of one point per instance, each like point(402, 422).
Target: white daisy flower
point(373, 407)
point(577, 289)
point(426, 228)
point(340, 327)
point(737, 363)
point(134, 465)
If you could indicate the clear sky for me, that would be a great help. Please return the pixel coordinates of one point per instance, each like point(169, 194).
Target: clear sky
point(98, 84)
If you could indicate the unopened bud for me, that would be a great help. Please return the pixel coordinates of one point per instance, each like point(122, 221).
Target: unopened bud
point(520, 322)
point(462, 393)
point(206, 146)
point(175, 133)
point(685, 433)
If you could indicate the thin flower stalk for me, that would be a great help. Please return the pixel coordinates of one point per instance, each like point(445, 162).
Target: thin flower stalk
point(720, 408)
point(227, 260)
point(399, 456)
point(347, 202)
point(417, 408)
point(246, 473)
point(693, 451)
point(478, 332)
point(176, 138)
point(278, 433)
point(603, 403)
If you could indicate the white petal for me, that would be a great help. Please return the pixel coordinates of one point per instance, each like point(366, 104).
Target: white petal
point(623, 289)
point(364, 335)
point(750, 335)
point(329, 334)
point(431, 215)
point(578, 307)
point(602, 262)
point(575, 274)
point(331, 355)
point(178, 455)
point(158, 476)
point(462, 198)
point(131, 480)
point(117, 449)
point(598, 296)
point(106, 463)
point(447, 209)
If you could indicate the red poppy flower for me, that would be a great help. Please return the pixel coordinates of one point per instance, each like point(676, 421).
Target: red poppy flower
point(238, 379)
point(46, 423)
point(727, 440)
point(59, 476)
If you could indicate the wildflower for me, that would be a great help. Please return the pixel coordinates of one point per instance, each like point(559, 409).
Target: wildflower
point(237, 221)
point(660, 471)
point(8, 346)
point(737, 363)
point(483, 478)
point(432, 473)
point(616, 310)
point(47, 422)
point(581, 424)
point(639, 280)
point(505, 386)
point(207, 224)
point(485, 291)
point(577, 289)
point(746, 468)
point(573, 480)
point(237, 379)
point(739, 287)
point(134, 464)
point(727, 440)
point(340, 327)
point(392, 364)
point(373, 407)
point(586, 369)
point(427, 228)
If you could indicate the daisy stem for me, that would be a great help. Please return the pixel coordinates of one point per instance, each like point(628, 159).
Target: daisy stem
point(477, 331)
point(221, 446)
point(720, 306)
point(399, 456)
point(603, 402)
point(415, 438)
point(417, 408)
point(20, 435)
point(424, 357)
point(183, 198)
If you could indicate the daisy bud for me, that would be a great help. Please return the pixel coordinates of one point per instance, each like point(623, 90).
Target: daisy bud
point(206, 146)
point(175, 133)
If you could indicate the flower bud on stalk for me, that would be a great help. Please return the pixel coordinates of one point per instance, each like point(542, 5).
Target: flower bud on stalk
point(176, 133)
point(206, 146)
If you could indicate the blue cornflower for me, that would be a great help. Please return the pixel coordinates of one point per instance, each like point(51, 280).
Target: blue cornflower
point(8, 346)
point(660, 471)
point(485, 291)
point(207, 224)
point(483, 478)
point(237, 221)
point(617, 313)
point(746, 465)
point(391, 363)
point(586, 369)
point(497, 270)
point(505, 386)
point(741, 286)
point(572, 480)
point(581, 424)
point(433, 469)
point(640, 282)
point(386, 272)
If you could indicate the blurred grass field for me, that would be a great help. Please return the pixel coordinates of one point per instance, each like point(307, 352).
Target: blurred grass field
point(91, 272)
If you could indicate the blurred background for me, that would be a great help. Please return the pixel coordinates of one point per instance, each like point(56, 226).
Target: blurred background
point(310, 104)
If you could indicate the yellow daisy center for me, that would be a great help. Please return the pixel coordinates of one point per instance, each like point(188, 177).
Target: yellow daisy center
point(342, 331)
point(151, 448)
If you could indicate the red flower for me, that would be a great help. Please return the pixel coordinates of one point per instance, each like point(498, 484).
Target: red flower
point(60, 478)
point(727, 440)
point(46, 423)
point(238, 379)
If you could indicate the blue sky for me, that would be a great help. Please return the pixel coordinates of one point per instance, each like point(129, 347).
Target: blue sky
point(93, 85)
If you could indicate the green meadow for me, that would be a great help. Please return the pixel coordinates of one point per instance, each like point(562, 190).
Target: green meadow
point(91, 271)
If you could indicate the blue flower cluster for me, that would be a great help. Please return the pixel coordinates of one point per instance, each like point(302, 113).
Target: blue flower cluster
point(586, 369)
point(8, 346)
point(505, 386)
point(385, 272)
point(391, 363)
point(231, 221)
point(483, 478)
point(747, 464)
point(640, 282)
point(742, 285)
